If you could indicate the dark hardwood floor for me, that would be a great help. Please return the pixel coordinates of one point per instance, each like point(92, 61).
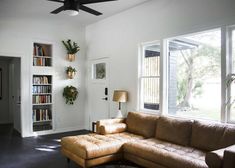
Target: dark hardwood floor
point(38, 152)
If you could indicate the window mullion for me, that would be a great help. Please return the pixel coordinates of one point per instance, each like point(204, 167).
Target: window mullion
point(225, 59)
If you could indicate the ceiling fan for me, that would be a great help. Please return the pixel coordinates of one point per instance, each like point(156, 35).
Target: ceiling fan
point(73, 6)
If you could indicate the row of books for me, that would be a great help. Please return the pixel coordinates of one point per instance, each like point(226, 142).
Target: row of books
point(41, 99)
point(41, 115)
point(41, 61)
point(42, 127)
point(42, 80)
point(38, 50)
point(41, 89)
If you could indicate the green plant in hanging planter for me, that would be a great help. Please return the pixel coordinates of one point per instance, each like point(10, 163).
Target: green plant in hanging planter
point(71, 47)
point(70, 94)
point(71, 72)
point(70, 69)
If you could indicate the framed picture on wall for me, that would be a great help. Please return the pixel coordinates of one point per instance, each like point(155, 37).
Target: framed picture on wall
point(0, 83)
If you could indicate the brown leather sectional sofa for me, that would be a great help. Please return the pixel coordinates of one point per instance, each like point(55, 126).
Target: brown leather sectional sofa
point(153, 141)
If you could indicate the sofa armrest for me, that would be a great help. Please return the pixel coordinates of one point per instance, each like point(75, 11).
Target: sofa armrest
point(224, 157)
point(108, 122)
point(112, 128)
point(229, 157)
point(214, 159)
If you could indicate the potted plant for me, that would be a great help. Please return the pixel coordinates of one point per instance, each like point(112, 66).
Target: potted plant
point(71, 72)
point(70, 94)
point(72, 48)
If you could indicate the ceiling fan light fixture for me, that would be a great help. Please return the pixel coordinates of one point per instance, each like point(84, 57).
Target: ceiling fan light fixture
point(71, 12)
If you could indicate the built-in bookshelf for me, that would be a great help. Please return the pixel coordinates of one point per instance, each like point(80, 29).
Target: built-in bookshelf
point(42, 102)
point(42, 54)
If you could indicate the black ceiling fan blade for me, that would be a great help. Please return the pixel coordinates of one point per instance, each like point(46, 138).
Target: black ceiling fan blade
point(94, 1)
point(89, 10)
point(56, 1)
point(58, 10)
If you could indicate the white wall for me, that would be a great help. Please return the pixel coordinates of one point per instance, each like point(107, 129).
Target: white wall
point(118, 36)
point(16, 38)
point(4, 102)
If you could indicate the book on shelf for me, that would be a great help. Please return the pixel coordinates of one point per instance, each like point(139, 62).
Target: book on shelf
point(42, 80)
point(43, 127)
point(41, 99)
point(41, 89)
point(41, 115)
point(38, 50)
point(41, 61)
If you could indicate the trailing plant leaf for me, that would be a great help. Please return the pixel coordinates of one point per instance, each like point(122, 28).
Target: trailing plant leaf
point(66, 46)
point(69, 44)
point(70, 94)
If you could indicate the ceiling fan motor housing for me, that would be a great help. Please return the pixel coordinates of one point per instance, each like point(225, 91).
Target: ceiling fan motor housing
point(71, 5)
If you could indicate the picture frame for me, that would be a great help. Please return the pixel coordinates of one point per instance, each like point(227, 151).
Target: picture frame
point(99, 71)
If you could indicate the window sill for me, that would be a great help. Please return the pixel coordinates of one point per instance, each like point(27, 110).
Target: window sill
point(149, 111)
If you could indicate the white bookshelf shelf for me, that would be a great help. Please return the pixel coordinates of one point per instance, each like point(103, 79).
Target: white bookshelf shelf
point(38, 94)
point(49, 57)
point(42, 121)
point(42, 55)
point(41, 104)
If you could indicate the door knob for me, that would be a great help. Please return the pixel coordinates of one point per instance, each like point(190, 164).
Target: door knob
point(105, 98)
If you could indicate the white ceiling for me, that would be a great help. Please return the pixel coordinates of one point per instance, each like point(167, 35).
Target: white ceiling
point(40, 9)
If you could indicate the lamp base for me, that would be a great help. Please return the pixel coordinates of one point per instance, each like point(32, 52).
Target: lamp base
point(119, 114)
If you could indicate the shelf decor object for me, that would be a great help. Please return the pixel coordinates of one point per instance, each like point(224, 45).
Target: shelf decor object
point(70, 94)
point(71, 72)
point(120, 96)
point(72, 48)
point(42, 54)
point(42, 102)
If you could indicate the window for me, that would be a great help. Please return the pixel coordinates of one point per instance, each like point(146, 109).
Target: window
point(194, 75)
point(149, 77)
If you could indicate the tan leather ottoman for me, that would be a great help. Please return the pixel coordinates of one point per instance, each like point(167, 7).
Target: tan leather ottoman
point(93, 149)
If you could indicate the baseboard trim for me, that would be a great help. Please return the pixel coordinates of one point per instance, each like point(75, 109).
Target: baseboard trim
point(56, 131)
point(69, 129)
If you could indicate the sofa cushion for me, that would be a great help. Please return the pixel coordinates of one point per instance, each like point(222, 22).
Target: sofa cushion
point(212, 136)
point(228, 138)
point(141, 124)
point(94, 145)
point(167, 154)
point(174, 130)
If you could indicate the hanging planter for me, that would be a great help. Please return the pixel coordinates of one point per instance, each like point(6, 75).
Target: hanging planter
point(70, 94)
point(71, 72)
point(71, 57)
point(72, 48)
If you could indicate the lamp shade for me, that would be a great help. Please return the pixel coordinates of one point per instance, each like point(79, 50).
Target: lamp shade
point(120, 96)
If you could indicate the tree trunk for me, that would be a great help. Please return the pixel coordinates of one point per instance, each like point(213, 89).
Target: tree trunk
point(188, 94)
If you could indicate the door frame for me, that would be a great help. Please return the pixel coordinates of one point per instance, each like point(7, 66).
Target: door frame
point(90, 80)
point(23, 106)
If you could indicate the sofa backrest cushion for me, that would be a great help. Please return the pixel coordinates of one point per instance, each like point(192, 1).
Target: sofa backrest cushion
point(212, 136)
point(174, 130)
point(141, 123)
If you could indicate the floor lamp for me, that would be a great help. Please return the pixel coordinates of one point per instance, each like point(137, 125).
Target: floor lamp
point(120, 96)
